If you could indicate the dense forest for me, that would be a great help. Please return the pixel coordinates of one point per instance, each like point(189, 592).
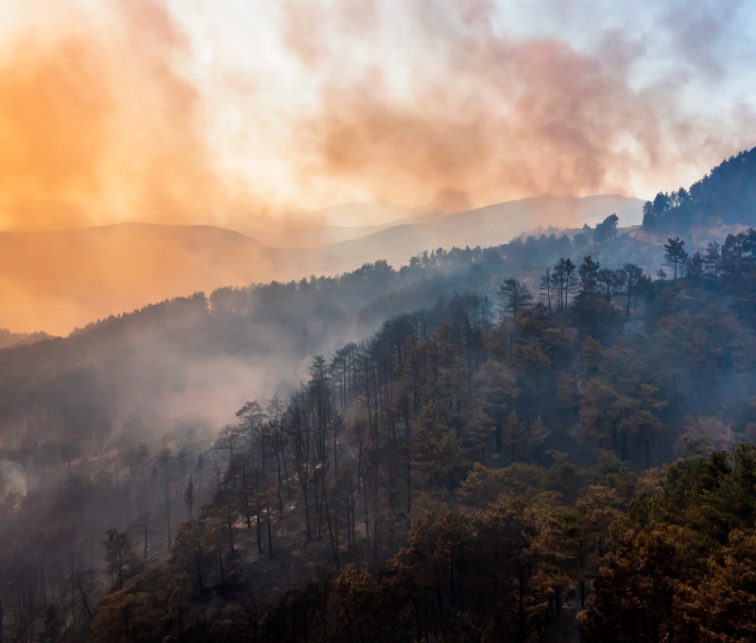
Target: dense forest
point(724, 196)
point(463, 475)
point(483, 469)
point(548, 440)
point(139, 377)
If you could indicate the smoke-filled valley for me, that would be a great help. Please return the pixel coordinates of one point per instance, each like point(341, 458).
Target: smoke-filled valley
point(357, 322)
point(535, 380)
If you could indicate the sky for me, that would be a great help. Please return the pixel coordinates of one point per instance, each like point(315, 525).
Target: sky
point(220, 111)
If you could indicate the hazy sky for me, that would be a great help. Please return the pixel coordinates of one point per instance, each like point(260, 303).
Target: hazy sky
point(213, 110)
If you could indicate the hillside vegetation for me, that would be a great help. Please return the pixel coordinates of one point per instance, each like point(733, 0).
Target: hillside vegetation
point(59, 280)
point(726, 195)
point(452, 478)
point(548, 440)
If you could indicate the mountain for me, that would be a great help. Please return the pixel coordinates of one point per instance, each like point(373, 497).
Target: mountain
point(486, 226)
point(8, 338)
point(448, 429)
point(137, 376)
point(196, 357)
point(726, 196)
point(374, 213)
point(333, 224)
point(61, 279)
point(305, 234)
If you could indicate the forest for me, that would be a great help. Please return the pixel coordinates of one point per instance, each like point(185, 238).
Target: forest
point(726, 195)
point(479, 470)
point(377, 321)
point(550, 440)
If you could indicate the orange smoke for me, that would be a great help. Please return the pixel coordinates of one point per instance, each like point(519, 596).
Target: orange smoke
point(96, 125)
point(427, 104)
point(52, 134)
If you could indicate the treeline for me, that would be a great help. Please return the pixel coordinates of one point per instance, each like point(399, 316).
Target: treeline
point(468, 473)
point(726, 195)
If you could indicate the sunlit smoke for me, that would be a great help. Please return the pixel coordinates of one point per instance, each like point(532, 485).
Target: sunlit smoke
point(96, 125)
point(151, 110)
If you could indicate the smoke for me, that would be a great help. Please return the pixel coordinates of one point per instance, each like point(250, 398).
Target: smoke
point(149, 110)
point(13, 483)
point(463, 113)
point(698, 35)
point(97, 124)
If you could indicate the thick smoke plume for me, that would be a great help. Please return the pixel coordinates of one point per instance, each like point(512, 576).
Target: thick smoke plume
point(149, 110)
point(97, 124)
point(452, 111)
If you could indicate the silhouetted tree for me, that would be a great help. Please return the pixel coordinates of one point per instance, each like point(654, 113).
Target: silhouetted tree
point(675, 256)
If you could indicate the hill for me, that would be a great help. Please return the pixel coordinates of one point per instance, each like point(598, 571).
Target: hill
point(8, 338)
point(333, 224)
point(726, 196)
point(58, 280)
point(62, 279)
point(487, 226)
point(148, 375)
point(465, 476)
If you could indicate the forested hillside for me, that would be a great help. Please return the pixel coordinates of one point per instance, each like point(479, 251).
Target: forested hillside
point(463, 478)
point(139, 397)
point(725, 196)
point(8, 338)
point(486, 226)
point(351, 322)
point(131, 377)
point(489, 468)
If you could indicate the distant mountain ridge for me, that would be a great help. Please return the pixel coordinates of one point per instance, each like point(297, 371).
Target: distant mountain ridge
point(336, 223)
point(486, 226)
point(9, 339)
point(61, 279)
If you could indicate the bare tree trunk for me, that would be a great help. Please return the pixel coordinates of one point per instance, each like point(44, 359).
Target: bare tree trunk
point(146, 537)
point(84, 602)
point(258, 525)
point(245, 495)
point(270, 533)
point(168, 511)
point(367, 517)
point(307, 513)
point(333, 536)
point(278, 474)
point(230, 525)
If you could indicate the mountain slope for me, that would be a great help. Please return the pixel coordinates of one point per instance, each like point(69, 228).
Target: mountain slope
point(61, 279)
point(58, 280)
point(489, 225)
point(9, 339)
point(725, 196)
point(334, 224)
